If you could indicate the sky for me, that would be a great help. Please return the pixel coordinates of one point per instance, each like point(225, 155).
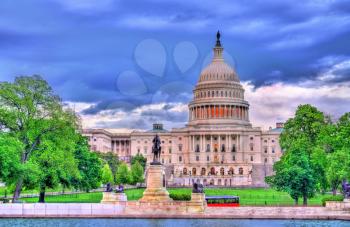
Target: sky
point(128, 64)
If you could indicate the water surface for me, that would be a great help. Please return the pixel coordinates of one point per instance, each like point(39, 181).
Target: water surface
point(100, 222)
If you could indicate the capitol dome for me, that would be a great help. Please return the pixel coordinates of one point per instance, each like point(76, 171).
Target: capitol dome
point(218, 69)
point(218, 96)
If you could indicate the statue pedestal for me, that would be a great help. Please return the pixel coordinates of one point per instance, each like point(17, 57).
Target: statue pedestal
point(197, 203)
point(155, 191)
point(112, 197)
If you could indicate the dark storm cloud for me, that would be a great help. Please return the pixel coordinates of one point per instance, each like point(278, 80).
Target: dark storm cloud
point(81, 47)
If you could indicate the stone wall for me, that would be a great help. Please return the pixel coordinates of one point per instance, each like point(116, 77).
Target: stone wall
point(259, 172)
point(169, 210)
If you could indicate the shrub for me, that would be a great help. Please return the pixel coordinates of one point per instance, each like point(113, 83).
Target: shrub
point(183, 197)
point(332, 198)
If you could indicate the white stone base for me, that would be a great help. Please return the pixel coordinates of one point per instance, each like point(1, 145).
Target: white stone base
point(155, 191)
point(112, 197)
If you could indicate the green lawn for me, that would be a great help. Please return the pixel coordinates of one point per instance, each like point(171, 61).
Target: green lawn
point(247, 196)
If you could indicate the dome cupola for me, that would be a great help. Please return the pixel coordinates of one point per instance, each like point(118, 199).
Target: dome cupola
point(218, 96)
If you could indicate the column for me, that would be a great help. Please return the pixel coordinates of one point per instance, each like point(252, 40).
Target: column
point(203, 143)
point(192, 143)
point(211, 142)
point(227, 143)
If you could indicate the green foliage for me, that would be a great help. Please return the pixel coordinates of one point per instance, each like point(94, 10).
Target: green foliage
point(137, 173)
point(180, 197)
point(112, 160)
point(33, 115)
point(306, 125)
point(10, 150)
point(89, 166)
point(107, 176)
point(332, 198)
point(140, 159)
point(123, 174)
point(317, 154)
point(295, 172)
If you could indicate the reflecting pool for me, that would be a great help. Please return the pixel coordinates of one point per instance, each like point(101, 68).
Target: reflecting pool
point(75, 222)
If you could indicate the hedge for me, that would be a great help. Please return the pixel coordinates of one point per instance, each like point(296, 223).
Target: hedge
point(332, 198)
point(183, 197)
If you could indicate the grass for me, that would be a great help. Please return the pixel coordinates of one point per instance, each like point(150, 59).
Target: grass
point(248, 197)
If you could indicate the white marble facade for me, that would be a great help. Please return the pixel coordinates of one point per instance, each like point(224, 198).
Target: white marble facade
point(217, 147)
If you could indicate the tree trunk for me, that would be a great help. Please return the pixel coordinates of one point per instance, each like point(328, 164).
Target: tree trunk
point(19, 183)
point(296, 201)
point(18, 190)
point(42, 195)
point(304, 200)
point(334, 191)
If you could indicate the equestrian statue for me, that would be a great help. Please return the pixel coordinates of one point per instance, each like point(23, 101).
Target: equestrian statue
point(156, 150)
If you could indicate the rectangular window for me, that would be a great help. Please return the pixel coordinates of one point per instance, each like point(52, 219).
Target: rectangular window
point(197, 158)
point(251, 158)
point(169, 160)
point(169, 150)
point(208, 158)
point(233, 158)
point(265, 150)
point(180, 159)
point(273, 150)
point(180, 147)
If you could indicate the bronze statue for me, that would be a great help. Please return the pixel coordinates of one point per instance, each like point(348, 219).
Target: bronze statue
point(346, 189)
point(156, 150)
point(119, 189)
point(109, 187)
point(197, 188)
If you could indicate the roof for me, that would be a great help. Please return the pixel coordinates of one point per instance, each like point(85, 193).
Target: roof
point(222, 197)
point(276, 130)
point(158, 130)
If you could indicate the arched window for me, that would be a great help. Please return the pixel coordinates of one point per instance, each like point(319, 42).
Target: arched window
point(222, 171)
point(231, 171)
point(184, 171)
point(212, 171)
point(240, 170)
point(194, 171)
point(219, 182)
point(203, 172)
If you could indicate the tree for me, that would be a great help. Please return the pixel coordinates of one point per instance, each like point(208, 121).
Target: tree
point(136, 173)
point(295, 172)
point(30, 111)
point(89, 166)
point(123, 174)
point(57, 164)
point(338, 168)
point(107, 176)
point(140, 159)
point(113, 161)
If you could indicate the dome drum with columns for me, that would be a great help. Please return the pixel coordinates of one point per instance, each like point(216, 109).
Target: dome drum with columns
point(218, 96)
point(217, 147)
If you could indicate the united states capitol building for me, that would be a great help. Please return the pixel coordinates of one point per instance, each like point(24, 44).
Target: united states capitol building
point(219, 146)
